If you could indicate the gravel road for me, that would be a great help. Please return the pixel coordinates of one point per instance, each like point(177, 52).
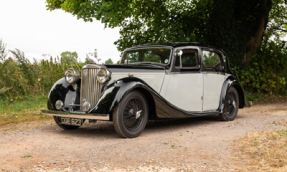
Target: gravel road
point(195, 144)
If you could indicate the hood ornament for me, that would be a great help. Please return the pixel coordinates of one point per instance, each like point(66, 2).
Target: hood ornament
point(131, 75)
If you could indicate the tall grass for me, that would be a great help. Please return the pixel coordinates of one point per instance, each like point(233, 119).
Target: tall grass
point(20, 77)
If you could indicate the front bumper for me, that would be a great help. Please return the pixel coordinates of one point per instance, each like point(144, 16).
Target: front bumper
point(75, 114)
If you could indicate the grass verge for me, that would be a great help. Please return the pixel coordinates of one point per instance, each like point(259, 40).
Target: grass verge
point(258, 98)
point(26, 109)
point(263, 151)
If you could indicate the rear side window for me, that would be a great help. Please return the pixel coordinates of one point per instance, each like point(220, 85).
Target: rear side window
point(188, 59)
point(211, 60)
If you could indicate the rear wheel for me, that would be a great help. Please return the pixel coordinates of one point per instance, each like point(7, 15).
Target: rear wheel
point(65, 127)
point(231, 105)
point(131, 115)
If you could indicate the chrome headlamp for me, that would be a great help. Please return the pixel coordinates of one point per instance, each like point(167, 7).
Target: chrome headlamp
point(72, 75)
point(103, 75)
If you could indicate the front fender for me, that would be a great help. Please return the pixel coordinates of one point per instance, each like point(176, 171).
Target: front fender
point(65, 92)
point(232, 81)
point(115, 92)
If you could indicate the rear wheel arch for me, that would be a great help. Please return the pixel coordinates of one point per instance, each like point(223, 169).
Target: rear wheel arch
point(231, 105)
point(240, 94)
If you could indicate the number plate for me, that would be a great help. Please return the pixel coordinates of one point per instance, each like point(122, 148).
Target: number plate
point(71, 121)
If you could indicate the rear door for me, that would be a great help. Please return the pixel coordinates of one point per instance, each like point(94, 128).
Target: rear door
point(213, 78)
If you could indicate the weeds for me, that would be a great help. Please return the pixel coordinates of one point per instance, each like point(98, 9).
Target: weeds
point(20, 77)
point(263, 151)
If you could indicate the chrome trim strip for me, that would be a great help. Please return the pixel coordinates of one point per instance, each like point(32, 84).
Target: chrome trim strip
point(76, 114)
point(134, 72)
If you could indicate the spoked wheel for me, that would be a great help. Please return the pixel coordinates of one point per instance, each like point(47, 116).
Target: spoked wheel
point(231, 105)
point(65, 127)
point(130, 116)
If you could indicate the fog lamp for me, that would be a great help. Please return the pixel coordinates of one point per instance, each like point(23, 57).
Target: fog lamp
point(86, 106)
point(59, 104)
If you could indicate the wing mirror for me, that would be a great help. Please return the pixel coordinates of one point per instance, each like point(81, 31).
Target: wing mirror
point(178, 52)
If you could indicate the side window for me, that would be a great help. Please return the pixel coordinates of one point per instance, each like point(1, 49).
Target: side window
point(188, 59)
point(211, 60)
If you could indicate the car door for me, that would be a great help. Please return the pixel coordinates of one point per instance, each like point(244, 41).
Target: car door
point(213, 78)
point(184, 85)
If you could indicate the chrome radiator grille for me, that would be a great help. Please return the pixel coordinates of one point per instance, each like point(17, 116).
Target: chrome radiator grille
point(90, 87)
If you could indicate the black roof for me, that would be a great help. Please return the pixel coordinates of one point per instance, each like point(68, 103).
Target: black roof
point(176, 44)
point(179, 44)
point(173, 44)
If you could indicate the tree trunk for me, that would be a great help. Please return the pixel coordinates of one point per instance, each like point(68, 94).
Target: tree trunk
point(255, 42)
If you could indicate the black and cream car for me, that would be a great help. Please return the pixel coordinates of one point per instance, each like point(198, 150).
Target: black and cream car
point(172, 80)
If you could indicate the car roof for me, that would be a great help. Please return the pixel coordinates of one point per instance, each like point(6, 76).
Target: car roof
point(175, 45)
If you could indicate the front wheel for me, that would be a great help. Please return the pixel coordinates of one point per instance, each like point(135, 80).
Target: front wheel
point(131, 115)
point(231, 105)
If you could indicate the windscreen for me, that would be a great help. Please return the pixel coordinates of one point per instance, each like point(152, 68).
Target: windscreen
point(148, 55)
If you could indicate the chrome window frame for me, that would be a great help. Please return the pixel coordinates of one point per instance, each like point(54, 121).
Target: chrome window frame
point(222, 59)
point(197, 69)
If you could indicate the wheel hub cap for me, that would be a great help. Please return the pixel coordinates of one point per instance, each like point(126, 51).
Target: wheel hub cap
point(138, 114)
point(131, 111)
point(234, 104)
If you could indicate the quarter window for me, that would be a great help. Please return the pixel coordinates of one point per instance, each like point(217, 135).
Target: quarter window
point(211, 59)
point(188, 59)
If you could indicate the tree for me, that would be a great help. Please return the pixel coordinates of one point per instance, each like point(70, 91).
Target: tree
point(109, 61)
point(69, 57)
point(94, 56)
point(236, 26)
point(3, 52)
point(277, 24)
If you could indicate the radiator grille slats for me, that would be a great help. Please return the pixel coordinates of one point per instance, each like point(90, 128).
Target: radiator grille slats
point(90, 87)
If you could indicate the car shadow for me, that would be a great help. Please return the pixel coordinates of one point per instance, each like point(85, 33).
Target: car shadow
point(104, 129)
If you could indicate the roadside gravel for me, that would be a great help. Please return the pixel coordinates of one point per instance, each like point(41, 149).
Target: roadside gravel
point(195, 144)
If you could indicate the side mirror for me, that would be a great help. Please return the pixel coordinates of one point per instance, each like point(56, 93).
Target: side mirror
point(178, 52)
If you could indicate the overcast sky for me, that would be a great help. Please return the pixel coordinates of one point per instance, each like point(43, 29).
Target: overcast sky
point(28, 26)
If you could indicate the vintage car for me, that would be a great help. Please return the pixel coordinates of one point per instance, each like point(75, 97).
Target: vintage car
point(155, 81)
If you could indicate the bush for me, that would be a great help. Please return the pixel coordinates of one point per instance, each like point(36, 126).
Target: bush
point(20, 77)
point(268, 71)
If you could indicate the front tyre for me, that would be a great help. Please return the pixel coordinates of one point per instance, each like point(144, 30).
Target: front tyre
point(231, 105)
point(65, 127)
point(131, 115)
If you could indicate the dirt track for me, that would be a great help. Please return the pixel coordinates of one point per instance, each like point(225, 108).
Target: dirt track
point(195, 144)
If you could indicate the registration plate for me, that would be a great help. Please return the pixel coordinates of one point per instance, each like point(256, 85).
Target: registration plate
point(71, 121)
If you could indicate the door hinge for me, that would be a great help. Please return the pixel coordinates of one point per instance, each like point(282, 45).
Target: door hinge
point(201, 97)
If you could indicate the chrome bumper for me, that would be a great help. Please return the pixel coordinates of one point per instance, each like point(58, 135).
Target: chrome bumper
point(75, 114)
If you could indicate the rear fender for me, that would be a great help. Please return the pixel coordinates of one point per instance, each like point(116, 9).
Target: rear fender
point(232, 81)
